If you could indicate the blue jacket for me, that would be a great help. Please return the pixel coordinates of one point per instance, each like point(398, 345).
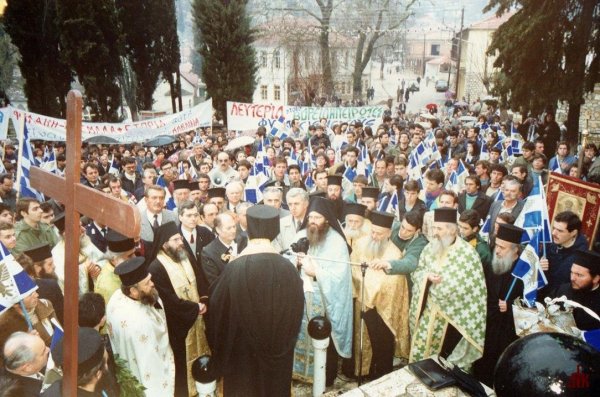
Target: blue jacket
point(560, 261)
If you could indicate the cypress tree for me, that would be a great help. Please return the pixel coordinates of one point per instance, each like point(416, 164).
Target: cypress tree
point(31, 25)
point(91, 39)
point(225, 37)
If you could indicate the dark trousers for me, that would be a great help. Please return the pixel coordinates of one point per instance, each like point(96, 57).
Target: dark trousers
point(331, 367)
point(382, 345)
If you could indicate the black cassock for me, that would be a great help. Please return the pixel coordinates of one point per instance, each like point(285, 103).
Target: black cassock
point(500, 327)
point(181, 315)
point(587, 298)
point(255, 312)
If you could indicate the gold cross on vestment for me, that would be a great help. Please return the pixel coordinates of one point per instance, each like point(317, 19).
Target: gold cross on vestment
point(79, 200)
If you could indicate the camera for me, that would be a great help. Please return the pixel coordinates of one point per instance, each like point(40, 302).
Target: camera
point(300, 246)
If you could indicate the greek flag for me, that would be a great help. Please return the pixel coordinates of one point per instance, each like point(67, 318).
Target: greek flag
point(350, 173)
point(57, 335)
point(254, 188)
point(484, 232)
point(26, 163)
point(49, 160)
point(278, 128)
point(15, 283)
point(113, 169)
point(389, 203)
point(534, 216)
point(528, 270)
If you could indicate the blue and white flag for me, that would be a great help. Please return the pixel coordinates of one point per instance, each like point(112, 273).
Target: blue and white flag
point(529, 271)
point(15, 283)
point(113, 169)
point(27, 161)
point(389, 203)
point(484, 232)
point(278, 129)
point(49, 161)
point(350, 173)
point(58, 333)
point(254, 188)
point(592, 337)
point(534, 215)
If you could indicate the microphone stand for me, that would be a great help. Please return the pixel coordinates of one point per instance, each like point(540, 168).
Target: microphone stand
point(363, 271)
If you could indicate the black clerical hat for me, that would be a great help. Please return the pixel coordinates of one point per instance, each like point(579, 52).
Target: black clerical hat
point(370, 191)
point(446, 215)
point(181, 184)
point(335, 180)
point(216, 192)
point(118, 243)
point(382, 219)
point(193, 185)
point(510, 233)
point(588, 259)
point(59, 222)
point(90, 350)
point(132, 271)
point(318, 193)
point(263, 222)
point(39, 252)
point(354, 209)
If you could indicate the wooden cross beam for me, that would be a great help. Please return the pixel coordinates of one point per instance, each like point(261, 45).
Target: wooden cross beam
point(79, 200)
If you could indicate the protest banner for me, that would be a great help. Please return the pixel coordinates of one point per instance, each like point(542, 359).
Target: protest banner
point(4, 117)
point(250, 116)
point(46, 128)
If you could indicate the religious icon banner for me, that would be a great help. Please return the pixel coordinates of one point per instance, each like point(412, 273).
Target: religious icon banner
point(571, 194)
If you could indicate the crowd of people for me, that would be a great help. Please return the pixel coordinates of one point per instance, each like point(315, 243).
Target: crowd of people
point(216, 272)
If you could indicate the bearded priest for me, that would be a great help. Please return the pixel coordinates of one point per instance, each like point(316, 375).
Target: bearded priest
point(180, 288)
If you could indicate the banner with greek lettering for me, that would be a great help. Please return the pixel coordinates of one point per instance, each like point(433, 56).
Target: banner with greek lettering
point(249, 116)
point(51, 129)
point(4, 117)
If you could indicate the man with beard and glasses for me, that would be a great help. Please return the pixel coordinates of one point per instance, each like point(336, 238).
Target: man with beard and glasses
point(138, 329)
point(256, 309)
point(583, 288)
point(386, 301)
point(500, 330)
point(355, 226)
point(327, 289)
point(447, 313)
point(180, 288)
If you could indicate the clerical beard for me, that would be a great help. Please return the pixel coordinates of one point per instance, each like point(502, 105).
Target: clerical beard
point(316, 234)
point(351, 233)
point(376, 249)
point(501, 265)
point(438, 245)
point(149, 298)
point(177, 254)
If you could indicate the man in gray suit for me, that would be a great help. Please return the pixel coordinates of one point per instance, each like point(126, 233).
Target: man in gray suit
point(511, 189)
point(297, 200)
point(154, 216)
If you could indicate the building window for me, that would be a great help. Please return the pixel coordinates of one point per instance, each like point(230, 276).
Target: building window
point(263, 59)
point(435, 49)
point(263, 92)
point(276, 59)
point(277, 93)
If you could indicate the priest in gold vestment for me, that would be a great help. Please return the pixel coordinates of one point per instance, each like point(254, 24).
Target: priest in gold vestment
point(180, 288)
point(386, 301)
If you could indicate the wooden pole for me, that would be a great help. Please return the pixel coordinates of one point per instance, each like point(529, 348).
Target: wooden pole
point(74, 118)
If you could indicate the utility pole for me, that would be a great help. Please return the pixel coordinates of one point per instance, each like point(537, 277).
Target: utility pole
point(462, 18)
point(424, 49)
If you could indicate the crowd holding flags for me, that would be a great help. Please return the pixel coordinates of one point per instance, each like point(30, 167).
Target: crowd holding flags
point(15, 283)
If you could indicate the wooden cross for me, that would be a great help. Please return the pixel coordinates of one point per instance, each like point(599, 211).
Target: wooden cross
point(79, 200)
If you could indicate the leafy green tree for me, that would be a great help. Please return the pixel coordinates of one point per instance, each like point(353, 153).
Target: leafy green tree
point(548, 51)
point(31, 25)
point(91, 40)
point(8, 61)
point(225, 38)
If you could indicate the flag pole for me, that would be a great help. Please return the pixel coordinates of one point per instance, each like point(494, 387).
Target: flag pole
point(26, 315)
point(511, 288)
